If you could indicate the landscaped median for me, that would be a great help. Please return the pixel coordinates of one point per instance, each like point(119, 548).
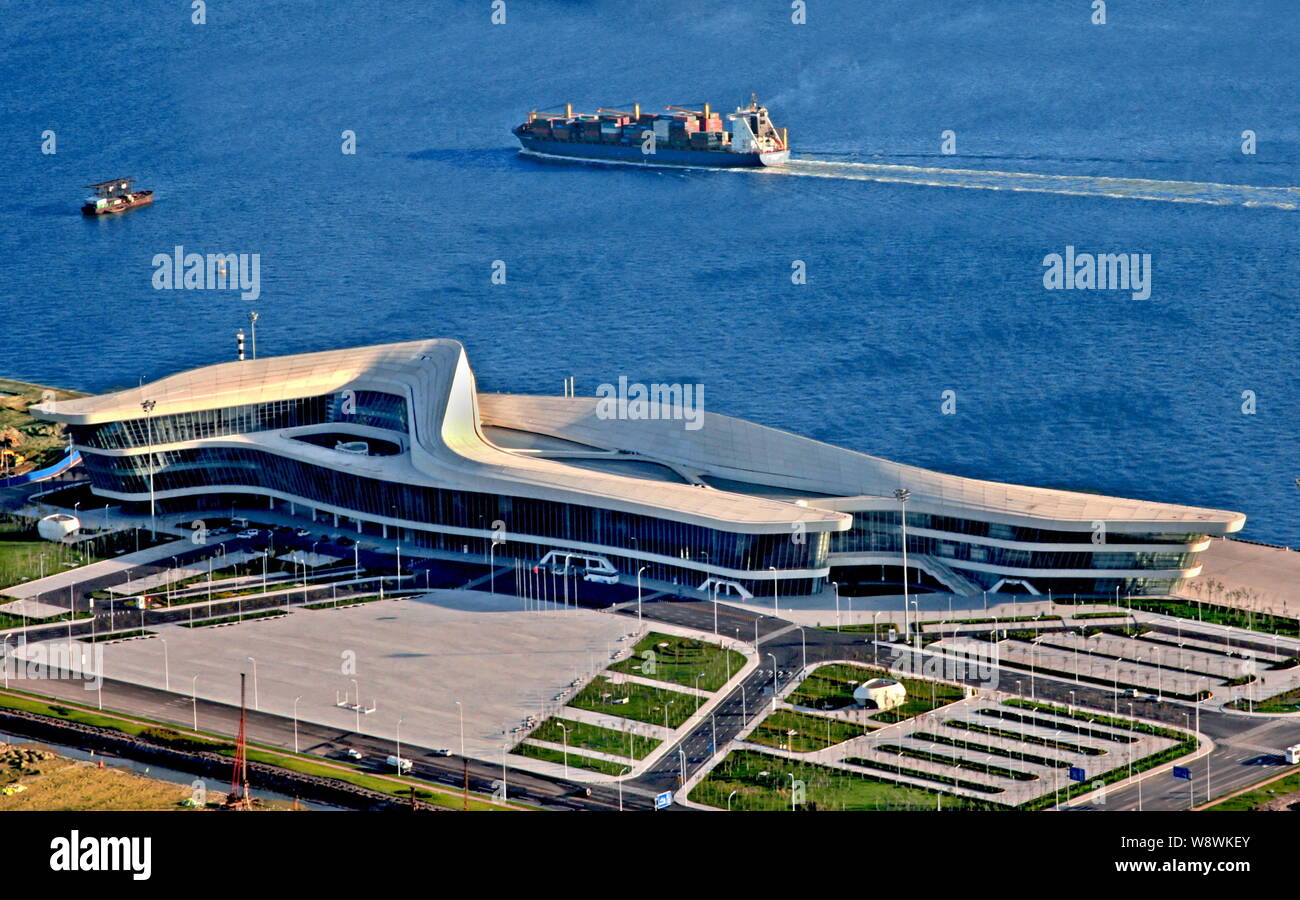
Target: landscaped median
point(799, 732)
point(831, 687)
point(687, 661)
point(752, 780)
point(634, 700)
point(573, 737)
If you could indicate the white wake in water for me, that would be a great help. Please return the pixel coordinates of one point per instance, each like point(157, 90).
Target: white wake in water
point(1078, 185)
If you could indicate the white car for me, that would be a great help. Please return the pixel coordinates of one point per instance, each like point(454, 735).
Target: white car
point(248, 533)
point(302, 533)
point(354, 753)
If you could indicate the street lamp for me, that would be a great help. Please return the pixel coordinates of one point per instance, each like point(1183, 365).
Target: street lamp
point(836, 585)
point(461, 709)
point(638, 593)
point(295, 722)
point(903, 494)
point(167, 678)
point(148, 407)
point(252, 323)
point(564, 731)
point(776, 601)
point(400, 720)
point(194, 699)
point(256, 705)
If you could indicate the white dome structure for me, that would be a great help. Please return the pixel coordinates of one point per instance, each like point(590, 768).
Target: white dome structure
point(58, 526)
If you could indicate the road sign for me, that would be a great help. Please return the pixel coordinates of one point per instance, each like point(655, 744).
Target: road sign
point(1183, 772)
point(664, 800)
point(1077, 774)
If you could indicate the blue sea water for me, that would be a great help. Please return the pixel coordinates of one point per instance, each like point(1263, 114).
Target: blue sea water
point(912, 290)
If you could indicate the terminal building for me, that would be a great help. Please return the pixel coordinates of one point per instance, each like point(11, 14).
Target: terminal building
point(395, 441)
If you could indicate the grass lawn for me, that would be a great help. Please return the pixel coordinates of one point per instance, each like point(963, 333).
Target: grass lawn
point(25, 556)
point(576, 761)
point(831, 687)
point(810, 732)
point(658, 706)
point(1285, 702)
point(1220, 615)
point(582, 735)
point(679, 660)
point(762, 782)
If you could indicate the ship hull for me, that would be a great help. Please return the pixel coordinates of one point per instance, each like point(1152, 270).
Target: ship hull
point(663, 156)
point(141, 198)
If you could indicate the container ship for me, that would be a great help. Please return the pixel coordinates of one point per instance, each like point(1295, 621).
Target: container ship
point(114, 197)
point(676, 137)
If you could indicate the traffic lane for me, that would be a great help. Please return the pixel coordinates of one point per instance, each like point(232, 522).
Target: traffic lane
point(265, 728)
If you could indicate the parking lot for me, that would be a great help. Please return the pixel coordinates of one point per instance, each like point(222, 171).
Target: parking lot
point(410, 659)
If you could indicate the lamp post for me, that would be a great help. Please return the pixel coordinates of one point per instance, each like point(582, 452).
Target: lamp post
point(148, 407)
point(836, 585)
point(295, 722)
point(903, 494)
point(167, 678)
point(776, 601)
point(715, 605)
point(256, 705)
point(461, 709)
point(400, 720)
point(194, 699)
point(252, 324)
point(638, 593)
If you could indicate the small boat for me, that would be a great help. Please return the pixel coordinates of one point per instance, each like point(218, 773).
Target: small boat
point(114, 197)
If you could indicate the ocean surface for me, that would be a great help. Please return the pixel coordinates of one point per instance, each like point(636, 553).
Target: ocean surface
point(924, 270)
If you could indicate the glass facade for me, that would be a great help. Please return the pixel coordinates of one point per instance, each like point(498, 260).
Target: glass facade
point(881, 531)
point(873, 526)
point(233, 467)
point(373, 408)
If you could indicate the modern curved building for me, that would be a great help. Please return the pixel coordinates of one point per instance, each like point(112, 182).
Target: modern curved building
point(395, 441)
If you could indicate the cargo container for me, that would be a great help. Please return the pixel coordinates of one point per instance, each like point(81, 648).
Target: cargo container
point(683, 137)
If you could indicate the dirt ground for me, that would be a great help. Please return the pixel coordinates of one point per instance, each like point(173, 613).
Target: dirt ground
point(53, 782)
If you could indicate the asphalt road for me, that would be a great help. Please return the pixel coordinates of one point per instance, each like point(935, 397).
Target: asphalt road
point(1246, 749)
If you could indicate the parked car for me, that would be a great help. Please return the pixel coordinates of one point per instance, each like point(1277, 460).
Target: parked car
point(249, 533)
point(302, 533)
point(442, 751)
point(354, 753)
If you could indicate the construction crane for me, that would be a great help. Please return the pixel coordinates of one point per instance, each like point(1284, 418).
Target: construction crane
point(706, 112)
point(635, 114)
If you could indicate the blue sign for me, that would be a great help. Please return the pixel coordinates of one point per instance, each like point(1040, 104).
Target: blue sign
point(1183, 772)
point(1077, 774)
point(664, 800)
